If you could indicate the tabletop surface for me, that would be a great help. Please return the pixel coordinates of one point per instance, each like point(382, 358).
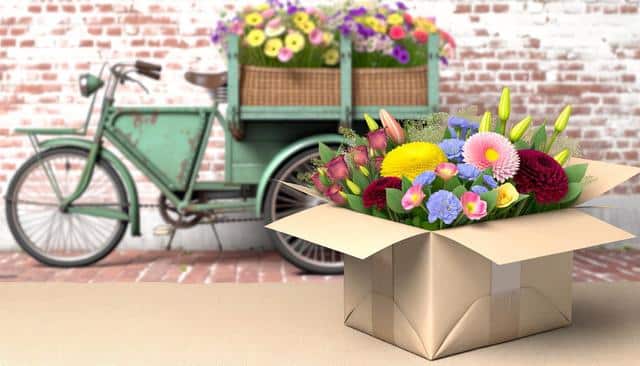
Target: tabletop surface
point(270, 324)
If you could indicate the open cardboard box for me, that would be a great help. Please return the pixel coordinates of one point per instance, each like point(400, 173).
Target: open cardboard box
point(447, 291)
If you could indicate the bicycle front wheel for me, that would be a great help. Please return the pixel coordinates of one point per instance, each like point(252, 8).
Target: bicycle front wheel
point(48, 234)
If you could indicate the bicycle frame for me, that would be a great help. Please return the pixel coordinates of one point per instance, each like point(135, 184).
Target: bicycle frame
point(180, 196)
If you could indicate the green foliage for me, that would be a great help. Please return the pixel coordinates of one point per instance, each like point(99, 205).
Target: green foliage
point(539, 139)
point(576, 173)
point(394, 200)
point(452, 184)
point(355, 203)
point(360, 179)
point(326, 153)
point(430, 129)
point(575, 189)
point(490, 197)
point(406, 184)
point(459, 191)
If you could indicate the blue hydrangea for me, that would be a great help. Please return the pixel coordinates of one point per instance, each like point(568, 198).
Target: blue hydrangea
point(443, 205)
point(488, 180)
point(479, 189)
point(453, 149)
point(458, 127)
point(425, 178)
point(468, 172)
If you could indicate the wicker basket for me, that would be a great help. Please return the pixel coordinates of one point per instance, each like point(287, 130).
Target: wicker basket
point(264, 86)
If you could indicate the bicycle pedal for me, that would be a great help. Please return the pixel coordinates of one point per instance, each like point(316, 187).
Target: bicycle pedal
point(163, 230)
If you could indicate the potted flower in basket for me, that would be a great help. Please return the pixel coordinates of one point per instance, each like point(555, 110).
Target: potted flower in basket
point(290, 53)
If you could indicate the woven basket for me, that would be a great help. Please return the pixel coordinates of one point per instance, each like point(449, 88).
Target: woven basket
point(269, 86)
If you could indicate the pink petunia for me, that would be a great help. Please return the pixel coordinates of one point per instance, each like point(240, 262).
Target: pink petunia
point(472, 206)
point(285, 54)
point(397, 32)
point(492, 150)
point(446, 171)
point(412, 198)
point(316, 37)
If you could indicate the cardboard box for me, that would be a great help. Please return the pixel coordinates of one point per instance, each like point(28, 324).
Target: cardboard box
point(448, 291)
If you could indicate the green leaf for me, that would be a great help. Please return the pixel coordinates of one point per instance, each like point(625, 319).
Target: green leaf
point(539, 139)
point(459, 191)
point(490, 197)
point(521, 145)
point(360, 179)
point(355, 203)
point(406, 184)
point(394, 200)
point(521, 198)
point(379, 213)
point(576, 173)
point(452, 184)
point(574, 192)
point(326, 153)
point(430, 226)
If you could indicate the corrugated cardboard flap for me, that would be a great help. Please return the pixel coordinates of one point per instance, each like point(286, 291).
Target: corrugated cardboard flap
point(346, 231)
point(532, 236)
point(605, 177)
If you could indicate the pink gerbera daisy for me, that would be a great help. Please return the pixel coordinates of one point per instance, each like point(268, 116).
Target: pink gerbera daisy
point(491, 150)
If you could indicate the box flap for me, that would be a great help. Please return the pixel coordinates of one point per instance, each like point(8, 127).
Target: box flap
point(605, 177)
point(531, 236)
point(346, 231)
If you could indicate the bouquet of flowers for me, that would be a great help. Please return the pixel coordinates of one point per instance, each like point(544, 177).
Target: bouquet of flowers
point(277, 34)
point(434, 175)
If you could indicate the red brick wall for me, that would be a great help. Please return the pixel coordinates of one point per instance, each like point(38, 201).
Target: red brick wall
point(549, 52)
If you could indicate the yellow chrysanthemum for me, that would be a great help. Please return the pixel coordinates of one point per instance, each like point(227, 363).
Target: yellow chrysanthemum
point(294, 41)
point(307, 27)
point(272, 47)
point(331, 57)
point(370, 21)
point(426, 25)
point(255, 38)
point(395, 19)
point(327, 38)
point(253, 19)
point(300, 17)
point(409, 160)
point(380, 28)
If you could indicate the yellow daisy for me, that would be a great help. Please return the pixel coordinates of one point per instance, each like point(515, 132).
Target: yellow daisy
point(300, 17)
point(370, 21)
point(294, 41)
point(307, 27)
point(327, 38)
point(272, 47)
point(255, 38)
point(253, 19)
point(395, 19)
point(409, 160)
point(331, 57)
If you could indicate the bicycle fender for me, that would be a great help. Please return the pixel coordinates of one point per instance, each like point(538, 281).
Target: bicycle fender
point(282, 157)
point(116, 163)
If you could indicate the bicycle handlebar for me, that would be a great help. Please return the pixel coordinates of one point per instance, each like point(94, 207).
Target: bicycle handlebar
point(149, 73)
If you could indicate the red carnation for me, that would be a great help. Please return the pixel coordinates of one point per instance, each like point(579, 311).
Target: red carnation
point(541, 174)
point(375, 194)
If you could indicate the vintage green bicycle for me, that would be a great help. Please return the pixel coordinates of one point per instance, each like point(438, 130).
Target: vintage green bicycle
point(71, 202)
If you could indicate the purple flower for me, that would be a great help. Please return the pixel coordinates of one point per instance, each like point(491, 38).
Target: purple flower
point(443, 205)
point(380, 16)
point(358, 12)
point(345, 29)
point(444, 61)
point(425, 179)
point(400, 54)
point(468, 171)
point(489, 181)
point(463, 125)
point(453, 149)
point(479, 189)
point(291, 8)
point(364, 31)
point(401, 5)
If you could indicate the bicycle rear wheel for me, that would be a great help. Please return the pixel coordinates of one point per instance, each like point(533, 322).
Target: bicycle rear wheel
point(58, 238)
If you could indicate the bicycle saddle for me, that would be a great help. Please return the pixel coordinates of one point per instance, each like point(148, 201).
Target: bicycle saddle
point(205, 80)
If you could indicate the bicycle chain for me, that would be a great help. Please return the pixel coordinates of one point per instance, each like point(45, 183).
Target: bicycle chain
point(207, 220)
